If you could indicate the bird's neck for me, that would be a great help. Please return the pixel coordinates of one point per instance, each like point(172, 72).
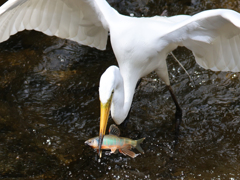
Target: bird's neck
point(107, 13)
point(122, 99)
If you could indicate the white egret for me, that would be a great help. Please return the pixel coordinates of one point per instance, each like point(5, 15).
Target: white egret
point(140, 45)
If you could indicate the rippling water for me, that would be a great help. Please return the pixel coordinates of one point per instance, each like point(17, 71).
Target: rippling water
point(49, 106)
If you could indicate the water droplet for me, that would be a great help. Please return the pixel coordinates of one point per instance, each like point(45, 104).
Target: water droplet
point(234, 75)
point(109, 167)
point(48, 141)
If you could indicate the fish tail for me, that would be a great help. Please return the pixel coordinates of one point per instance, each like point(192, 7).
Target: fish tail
point(138, 147)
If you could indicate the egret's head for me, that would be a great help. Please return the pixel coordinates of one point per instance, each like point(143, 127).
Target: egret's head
point(106, 89)
point(106, 84)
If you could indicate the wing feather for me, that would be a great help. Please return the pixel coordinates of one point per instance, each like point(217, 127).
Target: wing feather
point(17, 19)
point(27, 16)
point(213, 36)
point(37, 13)
point(77, 20)
point(65, 17)
point(57, 10)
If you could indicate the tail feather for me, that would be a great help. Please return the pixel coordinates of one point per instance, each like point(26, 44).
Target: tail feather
point(138, 147)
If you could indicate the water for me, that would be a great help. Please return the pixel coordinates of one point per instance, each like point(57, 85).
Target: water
point(49, 106)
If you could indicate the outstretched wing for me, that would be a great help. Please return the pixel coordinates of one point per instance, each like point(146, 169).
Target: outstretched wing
point(77, 20)
point(213, 36)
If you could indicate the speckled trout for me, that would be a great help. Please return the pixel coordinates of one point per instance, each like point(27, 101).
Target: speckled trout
point(114, 143)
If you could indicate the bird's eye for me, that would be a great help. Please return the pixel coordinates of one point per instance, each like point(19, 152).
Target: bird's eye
point(112, 91)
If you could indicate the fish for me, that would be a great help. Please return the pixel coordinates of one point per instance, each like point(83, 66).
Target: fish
point(115, 143)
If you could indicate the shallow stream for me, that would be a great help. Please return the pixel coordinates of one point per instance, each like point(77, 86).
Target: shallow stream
point(49, 106)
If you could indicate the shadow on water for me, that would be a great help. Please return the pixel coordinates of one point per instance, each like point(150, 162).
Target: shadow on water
point(49, 106)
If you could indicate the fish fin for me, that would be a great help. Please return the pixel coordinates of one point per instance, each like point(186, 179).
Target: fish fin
point(113, 150)
point(127, 147)
point(128, 152)
point(113, 130)
point(138, 147)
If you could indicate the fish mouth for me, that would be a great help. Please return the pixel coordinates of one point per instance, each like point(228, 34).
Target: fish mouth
point(105, 108)
point(86, 142)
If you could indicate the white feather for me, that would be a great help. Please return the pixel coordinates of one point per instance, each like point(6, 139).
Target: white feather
point(141, 45)
point(213, 37)
point(62, 18)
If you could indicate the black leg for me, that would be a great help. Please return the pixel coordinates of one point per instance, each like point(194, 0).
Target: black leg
point(178, 114)
point(124, 123)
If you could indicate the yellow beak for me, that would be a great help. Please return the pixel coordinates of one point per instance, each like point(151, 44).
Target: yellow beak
point(105, 108)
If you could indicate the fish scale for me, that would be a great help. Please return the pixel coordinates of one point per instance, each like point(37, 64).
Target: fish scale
point(112, 140)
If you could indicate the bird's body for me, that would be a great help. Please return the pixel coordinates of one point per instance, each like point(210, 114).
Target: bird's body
point(140, 45)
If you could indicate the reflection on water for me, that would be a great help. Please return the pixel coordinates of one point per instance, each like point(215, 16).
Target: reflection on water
point(49, 106)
